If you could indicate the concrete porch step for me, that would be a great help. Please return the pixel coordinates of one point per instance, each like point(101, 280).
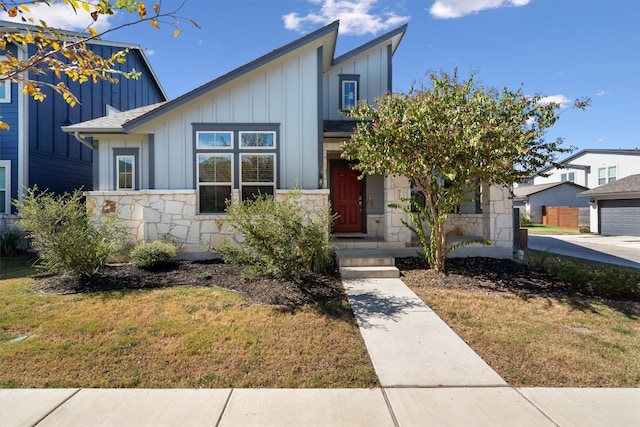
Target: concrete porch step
point(365, 261)
point(370, 272)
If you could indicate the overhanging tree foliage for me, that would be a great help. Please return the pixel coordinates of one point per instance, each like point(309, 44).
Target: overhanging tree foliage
point(448, 137)
point(61, 52)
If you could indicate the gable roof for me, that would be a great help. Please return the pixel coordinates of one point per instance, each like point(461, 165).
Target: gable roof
point(629, 185)
point(16, 27)
point(620, 151)
point(329, 30)
point(528, 190)
point(139, 117)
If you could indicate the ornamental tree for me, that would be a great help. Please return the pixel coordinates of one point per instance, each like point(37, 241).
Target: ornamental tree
point(448, 137)
point(60, 52)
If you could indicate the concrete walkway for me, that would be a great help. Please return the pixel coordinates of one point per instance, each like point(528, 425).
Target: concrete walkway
point(429, 376)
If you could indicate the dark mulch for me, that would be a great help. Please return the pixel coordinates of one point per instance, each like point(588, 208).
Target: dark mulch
point(314, 289)
point(487, 274)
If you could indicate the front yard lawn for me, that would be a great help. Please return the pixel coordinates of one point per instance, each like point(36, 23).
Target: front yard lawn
point(181, 336)
point(532, 329)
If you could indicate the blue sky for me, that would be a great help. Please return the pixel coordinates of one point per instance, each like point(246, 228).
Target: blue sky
point(565, 49)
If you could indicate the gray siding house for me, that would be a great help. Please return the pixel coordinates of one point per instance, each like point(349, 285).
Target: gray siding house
point(268, 126)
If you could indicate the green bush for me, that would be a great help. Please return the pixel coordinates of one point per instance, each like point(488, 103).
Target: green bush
point(526, 218)
point(281, 238)
point(606, 282)
point(152, 254)
point(584, 229)
point(66, 237)
point(10, 239)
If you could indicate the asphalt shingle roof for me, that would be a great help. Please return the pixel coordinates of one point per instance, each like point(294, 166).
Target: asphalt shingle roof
point(528, 190)
point(111, 123)
point(627, 185)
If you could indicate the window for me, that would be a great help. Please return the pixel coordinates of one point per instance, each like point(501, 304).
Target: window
point(214, 140)
point(348, 91)
point(5, 186)
point(125, 168)
point(125, 172)
point(571, 177)
point(258, 175)
point(5, 88)
point(606, 175)
point(224, 165)
point(215, 179)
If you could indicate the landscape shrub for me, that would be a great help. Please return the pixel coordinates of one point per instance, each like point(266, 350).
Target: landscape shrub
point(584, 229)
point(281, 238)
point(606, 282)
point(10, 239)
point(525, 218)
point(152, 254)
point(66, 237)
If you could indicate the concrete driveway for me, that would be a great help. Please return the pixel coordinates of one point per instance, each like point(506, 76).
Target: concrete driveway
point(619, 250)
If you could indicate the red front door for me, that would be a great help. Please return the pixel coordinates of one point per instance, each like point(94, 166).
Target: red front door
point(347, 200)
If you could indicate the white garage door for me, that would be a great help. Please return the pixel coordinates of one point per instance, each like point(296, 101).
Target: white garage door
point(620, 217)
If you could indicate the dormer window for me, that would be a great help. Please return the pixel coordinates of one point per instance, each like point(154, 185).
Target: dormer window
point(348, 90)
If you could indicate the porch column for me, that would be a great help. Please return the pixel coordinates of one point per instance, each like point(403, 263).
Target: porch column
point(395, 189)
point(497, 221)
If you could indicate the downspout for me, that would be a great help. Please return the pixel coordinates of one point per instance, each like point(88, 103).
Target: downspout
point(83, 141)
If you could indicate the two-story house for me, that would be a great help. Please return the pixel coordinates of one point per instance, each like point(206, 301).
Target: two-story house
point(268, 126)
point(35, 151)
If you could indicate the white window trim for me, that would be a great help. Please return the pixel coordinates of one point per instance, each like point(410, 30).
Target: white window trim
point(7, 186)
point(201, 147)
point(258, 184)
point(6, 99)
point(355, 94)
point(252, 148)
point(133, 172)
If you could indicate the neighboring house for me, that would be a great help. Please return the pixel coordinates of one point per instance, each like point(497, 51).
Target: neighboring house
point(268, 126)
point(35, 150)
point(532, 198)
point(592, 168)
point(615, 207)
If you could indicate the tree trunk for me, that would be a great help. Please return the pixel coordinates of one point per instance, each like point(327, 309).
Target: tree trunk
point(441, 249)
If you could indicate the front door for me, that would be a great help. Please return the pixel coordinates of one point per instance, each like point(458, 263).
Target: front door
point(347, 200)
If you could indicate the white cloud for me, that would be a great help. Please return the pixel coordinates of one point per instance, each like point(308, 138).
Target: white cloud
point(61, 16)
point(357, 17)
point(603, 93)
point(558, 99)
point(447, 9)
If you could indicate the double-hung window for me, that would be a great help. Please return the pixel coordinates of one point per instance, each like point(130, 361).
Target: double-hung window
point(348, 90)
point(234, 157)
point(606, 175)
point(5, 88)
point(126, 168)
point(5, 186)
point(570, 177)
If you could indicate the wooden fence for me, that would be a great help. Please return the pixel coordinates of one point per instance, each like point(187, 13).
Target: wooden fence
point(565, 216)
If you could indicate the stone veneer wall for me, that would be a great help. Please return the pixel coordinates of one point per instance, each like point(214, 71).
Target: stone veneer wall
point(156, 214)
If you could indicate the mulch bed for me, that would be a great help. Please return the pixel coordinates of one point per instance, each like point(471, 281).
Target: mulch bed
point(486, 274)
point(315, 289)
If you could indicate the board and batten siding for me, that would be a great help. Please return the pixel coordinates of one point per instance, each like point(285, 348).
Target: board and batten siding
point(104, 152)
point(373, 68)
point(283, 92)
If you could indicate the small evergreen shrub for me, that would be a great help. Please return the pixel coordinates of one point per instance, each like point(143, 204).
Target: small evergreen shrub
point(152, 254)
point(584, 230)
point(67, 238)
point(526, 219)
point(10, 239)
point(604, 282)
point(282, 238)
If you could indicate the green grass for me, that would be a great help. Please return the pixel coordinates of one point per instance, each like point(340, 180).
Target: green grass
point(545, 230)
point(180, 337)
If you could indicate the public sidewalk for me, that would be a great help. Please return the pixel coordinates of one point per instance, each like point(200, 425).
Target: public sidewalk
point(429, 376)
